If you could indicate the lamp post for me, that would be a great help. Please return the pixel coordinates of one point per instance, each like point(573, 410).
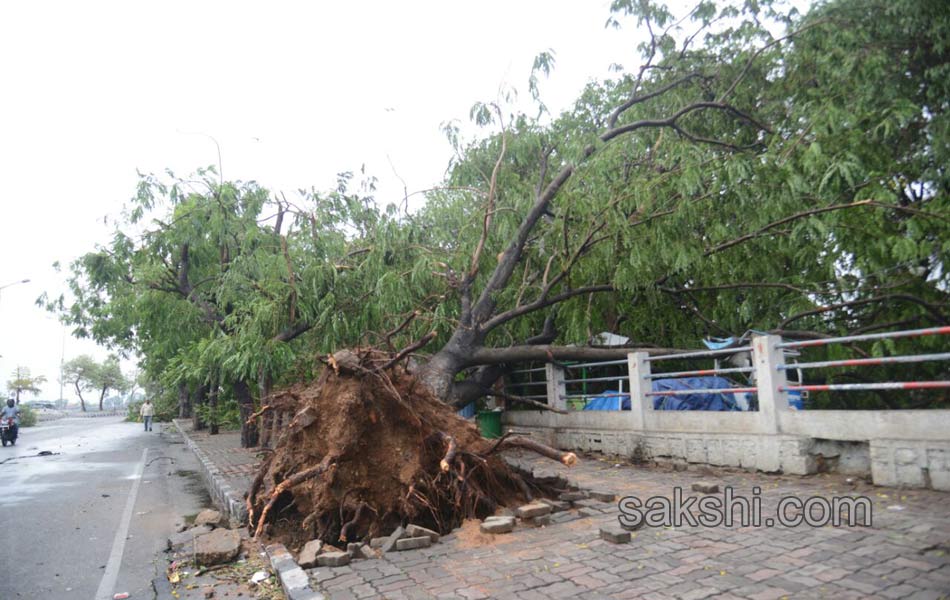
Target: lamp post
point(3, 287)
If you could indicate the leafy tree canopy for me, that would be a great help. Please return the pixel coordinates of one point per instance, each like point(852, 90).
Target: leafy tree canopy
point(760, 169)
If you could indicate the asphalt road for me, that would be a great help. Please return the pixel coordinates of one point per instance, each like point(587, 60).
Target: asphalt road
point(92, 519)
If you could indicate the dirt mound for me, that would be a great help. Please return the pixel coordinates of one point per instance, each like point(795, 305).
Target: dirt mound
point(370, 448)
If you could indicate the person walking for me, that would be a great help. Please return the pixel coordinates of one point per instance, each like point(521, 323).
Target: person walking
point(146, 412)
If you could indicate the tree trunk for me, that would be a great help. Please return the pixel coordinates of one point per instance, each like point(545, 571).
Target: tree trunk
point(213, 405)
point(184, 401)
point(266, 420)
point(102, 395)
point(438, 373)
point(82, 402)
point(199, 399)
point(248, 430)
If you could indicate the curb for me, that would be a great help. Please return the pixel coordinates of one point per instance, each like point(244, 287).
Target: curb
point(229, 500)
point(93, 414)
point(292, 578)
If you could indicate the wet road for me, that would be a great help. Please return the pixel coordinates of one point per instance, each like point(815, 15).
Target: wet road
point(91, 520)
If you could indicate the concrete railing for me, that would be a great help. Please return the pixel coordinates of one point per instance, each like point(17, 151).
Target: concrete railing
point(894, 447)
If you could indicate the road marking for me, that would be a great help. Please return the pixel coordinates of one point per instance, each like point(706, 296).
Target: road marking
point(118, 544)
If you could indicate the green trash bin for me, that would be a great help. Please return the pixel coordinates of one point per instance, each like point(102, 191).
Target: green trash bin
point(489, 423)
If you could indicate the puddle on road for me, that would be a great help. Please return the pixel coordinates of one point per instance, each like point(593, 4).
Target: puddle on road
point(195, 485)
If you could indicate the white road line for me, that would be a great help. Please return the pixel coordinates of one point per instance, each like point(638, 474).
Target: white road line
point(111, 574)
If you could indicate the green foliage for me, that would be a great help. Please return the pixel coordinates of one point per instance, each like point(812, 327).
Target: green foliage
point(22, 381)
point(27, 416)
point(802, 187)
point(227, 414)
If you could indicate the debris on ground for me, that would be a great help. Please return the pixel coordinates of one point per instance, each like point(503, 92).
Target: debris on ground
point(243, 571)
point(211, 518)
point(219, 546)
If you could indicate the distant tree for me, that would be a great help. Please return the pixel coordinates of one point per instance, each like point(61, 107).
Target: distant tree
point(108, 376)
point(81, 372)
point(22, 381)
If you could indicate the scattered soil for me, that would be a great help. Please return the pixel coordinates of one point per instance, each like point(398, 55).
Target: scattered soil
point(370, 449)
point(470, 535)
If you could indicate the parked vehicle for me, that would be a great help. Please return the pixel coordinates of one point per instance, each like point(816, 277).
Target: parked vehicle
point(8, 431)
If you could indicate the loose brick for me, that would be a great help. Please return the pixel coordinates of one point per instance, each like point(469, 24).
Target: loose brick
point(333, 559)
point(418, 531)
point(573, 496)
point(614, 535)
point(536, 509)
point(557, 505)
point(564, 517)
point(540, 521)
point(308, 556)
point(394, 537)
point(706, 487)
point(412, 543)
point(603, 496)
point(498, 525)
point(365, 552)
point(378, 542)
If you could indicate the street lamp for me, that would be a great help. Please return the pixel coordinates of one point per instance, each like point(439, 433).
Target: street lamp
point(3, 287)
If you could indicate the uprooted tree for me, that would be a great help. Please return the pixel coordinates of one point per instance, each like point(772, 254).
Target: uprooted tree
point(739, 178)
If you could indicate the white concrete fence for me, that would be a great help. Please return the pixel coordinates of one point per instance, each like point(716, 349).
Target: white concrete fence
point(894, 447)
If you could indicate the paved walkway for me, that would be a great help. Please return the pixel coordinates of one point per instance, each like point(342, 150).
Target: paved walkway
point(226, 467)
point(904, 554)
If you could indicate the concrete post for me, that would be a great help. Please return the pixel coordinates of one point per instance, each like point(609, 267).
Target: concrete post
point(766, 357)
point(638, 368)
point(557, 389)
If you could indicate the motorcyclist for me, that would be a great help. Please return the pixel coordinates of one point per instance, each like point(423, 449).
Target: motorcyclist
point(11, 410)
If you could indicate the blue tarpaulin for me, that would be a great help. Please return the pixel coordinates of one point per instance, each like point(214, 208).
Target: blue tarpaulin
point(719, 402)
point(612, 400)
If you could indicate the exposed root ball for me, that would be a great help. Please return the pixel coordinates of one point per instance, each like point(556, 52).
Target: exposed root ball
point(369, 450)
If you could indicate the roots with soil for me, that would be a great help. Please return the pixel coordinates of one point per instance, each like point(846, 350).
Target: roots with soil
point(369, 448)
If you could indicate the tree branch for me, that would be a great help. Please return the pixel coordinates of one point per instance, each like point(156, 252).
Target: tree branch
point(780, 222)
point(512, 354)
point(542, 302)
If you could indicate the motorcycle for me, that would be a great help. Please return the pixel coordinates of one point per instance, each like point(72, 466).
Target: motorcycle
point(8, 431)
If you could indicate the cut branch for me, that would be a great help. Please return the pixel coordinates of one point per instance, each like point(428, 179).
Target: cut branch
point(567, 458)
point(523, 400)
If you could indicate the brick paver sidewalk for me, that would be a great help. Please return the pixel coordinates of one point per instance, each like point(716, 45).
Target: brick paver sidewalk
point(904, 554)
point(236, 465)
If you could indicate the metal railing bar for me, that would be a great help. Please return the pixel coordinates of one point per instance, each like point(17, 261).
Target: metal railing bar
point(709, 391)
point(591, 379)
point(850, 387)
point(719, 352)
point(858, 362)
point(698, 372)
point(868, 336)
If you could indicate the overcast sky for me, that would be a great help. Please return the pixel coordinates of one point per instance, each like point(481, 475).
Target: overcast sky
point(293, 92)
